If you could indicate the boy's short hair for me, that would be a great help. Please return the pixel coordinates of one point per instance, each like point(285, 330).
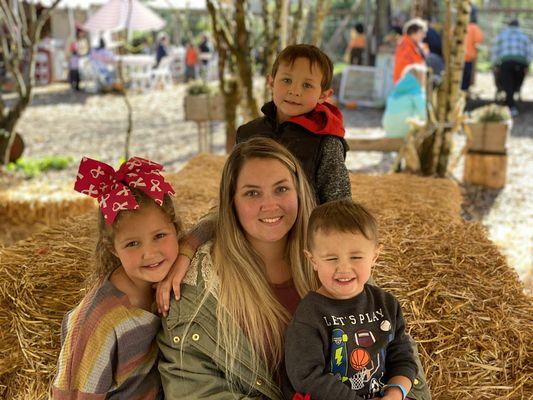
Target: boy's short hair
point(342, 216)
point(414, 25)
point(316, 57)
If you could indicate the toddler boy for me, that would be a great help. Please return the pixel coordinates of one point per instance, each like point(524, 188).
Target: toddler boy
point(347, 340)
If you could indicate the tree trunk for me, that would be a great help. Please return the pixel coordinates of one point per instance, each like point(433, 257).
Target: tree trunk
point(296, 29)
point(14, 39)
point(381, 24)
point(231, 99)
point(127, 102)
point(8, 122)
point(244, 62)
point(455, 100)
point(284, 22)
point(322, 10)
point(129, 111)
point(435, 150)
point(228, 87)
point(344, 26)
point(417, 8)
point(271, 24)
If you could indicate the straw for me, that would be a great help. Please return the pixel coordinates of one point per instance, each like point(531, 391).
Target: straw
point(463, 304)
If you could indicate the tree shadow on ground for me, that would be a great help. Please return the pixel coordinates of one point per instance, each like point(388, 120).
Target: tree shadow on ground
point(53, 95)
point(477, 201)
point(67, 96)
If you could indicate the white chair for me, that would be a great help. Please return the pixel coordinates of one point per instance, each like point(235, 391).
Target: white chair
point(88, 75)
point(162, 76)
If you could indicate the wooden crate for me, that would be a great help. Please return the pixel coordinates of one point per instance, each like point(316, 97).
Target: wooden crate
point(202, 107)
point(485, 169)
point(488, 136)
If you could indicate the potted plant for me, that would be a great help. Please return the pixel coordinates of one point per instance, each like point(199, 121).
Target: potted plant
point(489, 126)
point(203, 103)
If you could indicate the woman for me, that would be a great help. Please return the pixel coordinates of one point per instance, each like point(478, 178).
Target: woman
point(224, 337)
point(409, 49)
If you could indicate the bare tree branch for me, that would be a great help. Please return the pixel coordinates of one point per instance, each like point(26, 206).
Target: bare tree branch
point(20, 35)
point(224, 27)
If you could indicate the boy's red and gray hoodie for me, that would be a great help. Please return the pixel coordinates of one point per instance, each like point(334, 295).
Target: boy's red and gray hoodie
point(304, 135)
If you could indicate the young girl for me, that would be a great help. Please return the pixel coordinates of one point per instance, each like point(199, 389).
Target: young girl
point(108, 348)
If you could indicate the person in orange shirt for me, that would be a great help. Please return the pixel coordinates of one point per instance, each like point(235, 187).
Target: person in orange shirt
point(474, 37)
point(409, 49)
point(191, 62)
point(357, 45)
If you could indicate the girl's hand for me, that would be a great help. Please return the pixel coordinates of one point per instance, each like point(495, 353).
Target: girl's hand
point(171, 282)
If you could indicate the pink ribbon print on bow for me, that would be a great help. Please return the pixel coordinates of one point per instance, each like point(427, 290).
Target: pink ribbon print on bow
point(111, 188)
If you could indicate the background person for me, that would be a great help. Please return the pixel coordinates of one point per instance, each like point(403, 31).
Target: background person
point(104, 62)
point(511, 56)
point(357, 44)
point(407, 100)
point(409, 50)
point(474, 38)
point(191, 62)
point(162, 48)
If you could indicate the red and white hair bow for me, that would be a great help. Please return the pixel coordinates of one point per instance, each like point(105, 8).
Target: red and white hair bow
point(111, 188)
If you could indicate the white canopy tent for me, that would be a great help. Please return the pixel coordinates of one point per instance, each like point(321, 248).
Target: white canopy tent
point(70, 4)
point(117, 15)
point(178, 4)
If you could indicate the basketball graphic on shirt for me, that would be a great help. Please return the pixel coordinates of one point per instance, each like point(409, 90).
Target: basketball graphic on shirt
point(359, 359)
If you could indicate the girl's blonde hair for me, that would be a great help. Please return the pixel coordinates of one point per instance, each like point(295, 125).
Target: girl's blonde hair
point(106, 261)
point(246, 301)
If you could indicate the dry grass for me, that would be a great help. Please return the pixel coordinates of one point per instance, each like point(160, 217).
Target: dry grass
point(463, 304)
point(31, 207)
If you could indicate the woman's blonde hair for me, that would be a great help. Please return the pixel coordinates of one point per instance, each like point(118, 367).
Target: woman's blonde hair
point(106, 260)
point(246, 301)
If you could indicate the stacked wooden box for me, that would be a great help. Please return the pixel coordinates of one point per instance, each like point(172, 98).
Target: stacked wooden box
point(486, 159)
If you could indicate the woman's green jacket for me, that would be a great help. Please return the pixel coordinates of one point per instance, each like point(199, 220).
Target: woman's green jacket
point(191, 365)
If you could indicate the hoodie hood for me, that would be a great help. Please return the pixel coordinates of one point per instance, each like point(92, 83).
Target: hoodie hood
point(324, 119)
point(408, 85)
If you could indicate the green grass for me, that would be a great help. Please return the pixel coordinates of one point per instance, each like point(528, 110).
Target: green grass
point(32, 167)
point(338, 67)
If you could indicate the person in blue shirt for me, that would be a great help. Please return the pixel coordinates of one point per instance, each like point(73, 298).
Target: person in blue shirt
point(162, 48)
point(511, 56)
point(407, 100)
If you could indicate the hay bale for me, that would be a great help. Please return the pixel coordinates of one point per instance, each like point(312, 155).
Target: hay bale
point(30, 207)
point(462, 302)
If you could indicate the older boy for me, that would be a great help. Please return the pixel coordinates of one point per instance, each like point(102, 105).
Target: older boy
point(300, 118)
point(347, 340)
